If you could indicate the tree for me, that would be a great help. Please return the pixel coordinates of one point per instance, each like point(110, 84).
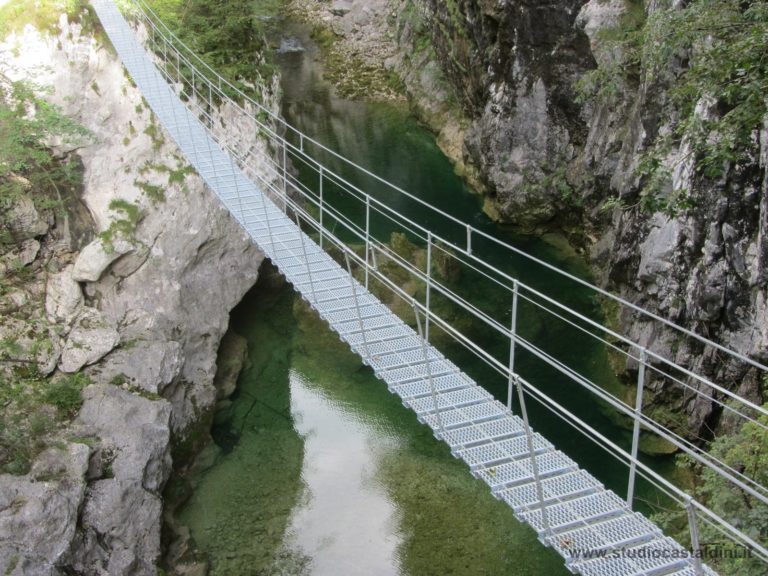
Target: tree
point(747, 452)
point(27, 125)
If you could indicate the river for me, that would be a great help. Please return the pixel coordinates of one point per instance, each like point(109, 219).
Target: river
point(317, 468)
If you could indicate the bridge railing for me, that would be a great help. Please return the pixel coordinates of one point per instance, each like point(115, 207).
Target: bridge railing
point(358, 215)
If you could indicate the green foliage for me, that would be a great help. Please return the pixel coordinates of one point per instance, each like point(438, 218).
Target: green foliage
point(555, 181)
point(726, 44)
point(27, 121)
point(155, 133)
point(711, 56)
point(44, 15)
point(747, 452)
point(65, 393)
point(228, 35)
point(155, 193)
point(122, 227)
point(32, 407)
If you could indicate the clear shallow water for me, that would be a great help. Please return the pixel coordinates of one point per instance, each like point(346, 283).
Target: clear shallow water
point(319, 470)
point(328, 474)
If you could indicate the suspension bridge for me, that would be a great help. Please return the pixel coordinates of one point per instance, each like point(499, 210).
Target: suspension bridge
point(338, 265)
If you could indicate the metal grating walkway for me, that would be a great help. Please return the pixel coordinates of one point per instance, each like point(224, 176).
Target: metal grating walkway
point(593, 529)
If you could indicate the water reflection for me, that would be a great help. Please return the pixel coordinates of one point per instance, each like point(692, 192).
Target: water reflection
point(345, 523)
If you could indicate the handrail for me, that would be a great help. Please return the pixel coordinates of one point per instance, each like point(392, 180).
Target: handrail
point(157, 22)
point(296, 196)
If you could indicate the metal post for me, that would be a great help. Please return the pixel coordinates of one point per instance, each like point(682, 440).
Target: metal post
point(428, 298)
point(306, 258)
point(636, 428)
point(266, 220)
point(534, 464)
point(432, 390)
point(210, 106)
point(698, 569)
point(469, 239)
point(512, 340)
point(322, 207)
point(285, 177)
point(374, 264)
point(367, 234)
point(357, 307)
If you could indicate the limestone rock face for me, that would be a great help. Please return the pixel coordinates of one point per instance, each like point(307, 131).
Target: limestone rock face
point(165, 293)
point(25, 221)
point(513, 66)
point(91, 338)
point(64, 297)
point(123, 506)
point(95, 258)
point(39, 512)
point(150, 364)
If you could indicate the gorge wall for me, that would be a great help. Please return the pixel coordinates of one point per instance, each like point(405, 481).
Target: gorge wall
point(542, 157)
point(499, 81)
point(134, 290)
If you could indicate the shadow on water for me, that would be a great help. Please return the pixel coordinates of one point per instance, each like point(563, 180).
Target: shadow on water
point(240, 507)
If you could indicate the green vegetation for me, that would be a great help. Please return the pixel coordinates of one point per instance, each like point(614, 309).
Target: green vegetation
point(44, 15)
point(27, 166)
point(32, 408)
point(746, 451)
point(155, 193)
point(229, 36)
point(711, 56)
point(155, 133)
point(124, 226)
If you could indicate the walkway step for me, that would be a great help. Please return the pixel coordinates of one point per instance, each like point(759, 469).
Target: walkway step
point(473, 434)
point(422, 388)
point(578, 512)
point(448, 400)
point(613, 534)
point(461, 417)
point(517, 472)
point(564, 487)
point(649, 559)
point(495, 453)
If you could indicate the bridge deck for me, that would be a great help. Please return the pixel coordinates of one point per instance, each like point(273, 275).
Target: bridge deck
point(583, 516)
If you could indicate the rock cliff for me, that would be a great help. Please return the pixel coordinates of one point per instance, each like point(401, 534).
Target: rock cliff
point(138, 299)
point(498, 80)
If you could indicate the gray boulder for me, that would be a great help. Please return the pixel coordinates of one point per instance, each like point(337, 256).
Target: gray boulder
point(91, 338)
point(38, 512)
point(94, 259)
point(122, 513)
point(63, 297)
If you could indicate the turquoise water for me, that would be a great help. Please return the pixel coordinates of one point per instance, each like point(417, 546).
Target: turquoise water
point(319, 470)
point(326, 473)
